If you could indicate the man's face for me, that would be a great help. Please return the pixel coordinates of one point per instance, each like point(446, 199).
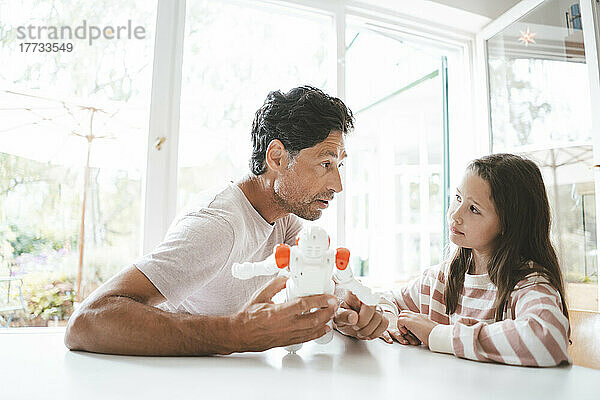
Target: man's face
point(312, 178)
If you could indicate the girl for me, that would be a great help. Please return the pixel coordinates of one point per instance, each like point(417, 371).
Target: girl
point(501, 295)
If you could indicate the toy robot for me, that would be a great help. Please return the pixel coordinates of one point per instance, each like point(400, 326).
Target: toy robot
point(310, 266)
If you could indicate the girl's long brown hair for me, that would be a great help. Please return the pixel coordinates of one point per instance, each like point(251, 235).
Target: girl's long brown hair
point(521, 203)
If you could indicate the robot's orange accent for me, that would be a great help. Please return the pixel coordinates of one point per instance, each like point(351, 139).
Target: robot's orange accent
point(282, 255)
point(297, 240)
point(342, 257)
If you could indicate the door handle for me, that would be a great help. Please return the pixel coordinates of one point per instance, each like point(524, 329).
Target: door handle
point(159, 142)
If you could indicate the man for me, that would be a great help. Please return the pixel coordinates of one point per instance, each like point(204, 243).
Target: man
point(182, 299)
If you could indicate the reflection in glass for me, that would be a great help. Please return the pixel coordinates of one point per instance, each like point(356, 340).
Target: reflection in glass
point(540, 108)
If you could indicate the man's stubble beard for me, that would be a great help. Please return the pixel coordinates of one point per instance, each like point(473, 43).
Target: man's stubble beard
point(302, 210)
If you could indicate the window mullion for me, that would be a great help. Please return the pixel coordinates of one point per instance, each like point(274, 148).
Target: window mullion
point(340, 29)
point(160, 181)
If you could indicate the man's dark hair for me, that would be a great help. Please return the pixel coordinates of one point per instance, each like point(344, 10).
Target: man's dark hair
point(300, 118)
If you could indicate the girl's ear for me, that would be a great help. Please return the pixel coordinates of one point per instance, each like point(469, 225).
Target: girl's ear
point(276, 156)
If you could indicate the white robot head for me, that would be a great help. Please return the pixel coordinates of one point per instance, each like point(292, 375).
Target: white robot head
point(313, 241)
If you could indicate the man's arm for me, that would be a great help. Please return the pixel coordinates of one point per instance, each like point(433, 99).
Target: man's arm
point(120, 318)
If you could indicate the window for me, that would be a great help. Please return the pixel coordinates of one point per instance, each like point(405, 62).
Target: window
point(540, 107)
point(49, 103)
point(394, 191)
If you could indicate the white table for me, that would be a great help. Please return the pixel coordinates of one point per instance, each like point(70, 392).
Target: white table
point(35, 364)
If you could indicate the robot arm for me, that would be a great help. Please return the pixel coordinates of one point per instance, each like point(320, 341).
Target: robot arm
point(273, 264)
point(344, 279)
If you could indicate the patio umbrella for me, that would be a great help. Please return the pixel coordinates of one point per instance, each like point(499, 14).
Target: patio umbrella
point(69, 133)
point(53, 124)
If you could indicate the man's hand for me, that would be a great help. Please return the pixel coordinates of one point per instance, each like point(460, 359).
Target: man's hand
point(418, 324)
point(356, 319)
point(262, 325)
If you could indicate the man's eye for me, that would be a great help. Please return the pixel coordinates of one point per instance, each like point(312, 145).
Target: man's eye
point(341, 165)
point(475, 210)
point(325, 164)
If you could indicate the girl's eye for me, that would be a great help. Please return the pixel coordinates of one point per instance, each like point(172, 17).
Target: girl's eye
point(458, 197)
point(475, 210)
point(341, 165)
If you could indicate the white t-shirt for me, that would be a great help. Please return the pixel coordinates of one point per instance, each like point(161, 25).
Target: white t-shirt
point(192, 266)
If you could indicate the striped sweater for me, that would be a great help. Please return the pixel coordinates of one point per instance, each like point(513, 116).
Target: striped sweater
point(533, 332)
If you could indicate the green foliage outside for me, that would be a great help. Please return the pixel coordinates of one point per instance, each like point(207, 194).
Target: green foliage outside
point(39, 234)
point(48, 297)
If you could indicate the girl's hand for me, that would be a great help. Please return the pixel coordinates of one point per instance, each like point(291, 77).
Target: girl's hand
point(418, 324)
point(393, 333)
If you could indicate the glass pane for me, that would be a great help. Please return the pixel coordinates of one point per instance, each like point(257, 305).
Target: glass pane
point(399, 195)
point(436, 253)
point(407, 260)
point(399, 256)
point(540, 108)
point(408, 154)
point(435, 212)
point(414, 200)
point(83, 98)
point(395, 151)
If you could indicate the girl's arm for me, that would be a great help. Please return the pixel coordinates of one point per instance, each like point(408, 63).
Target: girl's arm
point(423, 296)
point(392, 302)
point(406, 298)
point(538, 336)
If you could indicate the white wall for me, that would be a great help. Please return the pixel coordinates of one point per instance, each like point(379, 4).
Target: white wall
point(467, 15)
point(488, 8)
point(433, 12)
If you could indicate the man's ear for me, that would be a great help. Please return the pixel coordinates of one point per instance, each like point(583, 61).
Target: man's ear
point(276, 156)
